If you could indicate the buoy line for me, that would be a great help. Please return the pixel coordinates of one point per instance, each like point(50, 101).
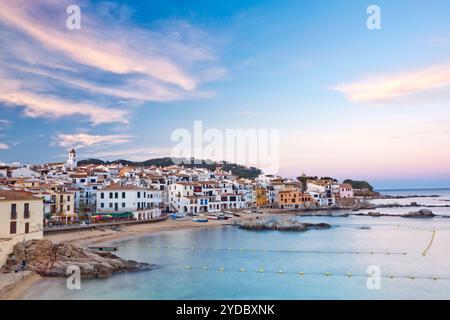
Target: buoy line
point(424, 253)
point(269, 250)
point(303, 273)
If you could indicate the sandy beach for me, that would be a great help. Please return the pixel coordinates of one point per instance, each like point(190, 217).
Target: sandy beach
point(89, 237)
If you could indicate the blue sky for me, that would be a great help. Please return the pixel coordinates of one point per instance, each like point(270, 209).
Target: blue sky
point(348, 101)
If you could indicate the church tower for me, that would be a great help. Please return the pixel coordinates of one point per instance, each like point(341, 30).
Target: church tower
point(72, 160)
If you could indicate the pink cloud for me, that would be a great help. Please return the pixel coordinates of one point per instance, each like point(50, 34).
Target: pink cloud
point(392, 87)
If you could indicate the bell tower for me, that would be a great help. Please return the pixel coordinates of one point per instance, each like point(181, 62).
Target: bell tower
point(72, 159)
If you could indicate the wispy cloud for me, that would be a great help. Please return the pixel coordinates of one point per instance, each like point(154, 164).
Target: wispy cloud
point(83, 140)
point(3, 146)
point(56, 72)
point(387, 88)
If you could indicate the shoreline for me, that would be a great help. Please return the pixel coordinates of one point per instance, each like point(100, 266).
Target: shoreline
point(110, 235)
point(20, 282)
point(17, 289)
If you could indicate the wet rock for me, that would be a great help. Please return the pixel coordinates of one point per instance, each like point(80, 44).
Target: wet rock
point(279, 224)
point(374, 214)
point(424, 213)
point(53, 260)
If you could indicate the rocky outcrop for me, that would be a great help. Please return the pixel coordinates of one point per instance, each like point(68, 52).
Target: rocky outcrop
point(424, 213)
point(279, 224)
point(374, 214)
point(53, 260)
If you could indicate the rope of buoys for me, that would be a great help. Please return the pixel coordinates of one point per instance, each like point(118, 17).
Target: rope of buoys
point(424, 253)
point(326, 274)
point(270, 250)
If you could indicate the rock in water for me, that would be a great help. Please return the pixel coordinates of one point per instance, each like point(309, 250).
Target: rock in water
point(53, 260)
point(280, 225)
point(424, 213)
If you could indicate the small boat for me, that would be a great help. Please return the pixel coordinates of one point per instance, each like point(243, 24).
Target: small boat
point(229, 216)
point(246, 211)
point(200, 220)
point(211, 217)
point(176, 216)
point(236, 214)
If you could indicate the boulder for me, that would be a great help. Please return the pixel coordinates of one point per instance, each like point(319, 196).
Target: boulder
point(279, 224)
point(53, 260)
point(424, 213)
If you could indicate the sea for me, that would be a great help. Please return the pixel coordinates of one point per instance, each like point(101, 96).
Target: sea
point(359, 257)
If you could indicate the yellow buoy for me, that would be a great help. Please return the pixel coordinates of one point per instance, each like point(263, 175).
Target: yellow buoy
point(327, 274)
point(242, 270)
point(301, 273)
point(261, 270)
point(280, 271)
point(221, 269)
point(349, 274)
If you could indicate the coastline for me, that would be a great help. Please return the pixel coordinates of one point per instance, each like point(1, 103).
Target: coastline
point(18, 284)
point(17, 289)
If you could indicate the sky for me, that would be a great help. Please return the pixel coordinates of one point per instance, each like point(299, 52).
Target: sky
point(347, 101)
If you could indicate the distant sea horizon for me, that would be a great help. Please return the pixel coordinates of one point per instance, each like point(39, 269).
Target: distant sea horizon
point(411, 189)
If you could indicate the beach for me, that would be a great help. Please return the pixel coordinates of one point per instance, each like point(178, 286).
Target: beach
point(13, 286)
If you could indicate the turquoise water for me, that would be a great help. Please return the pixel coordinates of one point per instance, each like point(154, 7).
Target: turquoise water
point(272, 251)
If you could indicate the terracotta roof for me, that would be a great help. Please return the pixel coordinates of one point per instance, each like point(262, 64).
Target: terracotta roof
point(8, 195)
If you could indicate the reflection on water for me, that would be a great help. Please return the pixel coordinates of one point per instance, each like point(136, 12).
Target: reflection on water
point(216, 272)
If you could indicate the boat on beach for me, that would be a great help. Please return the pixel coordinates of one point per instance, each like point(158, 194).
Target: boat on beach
point(200, 219)
point(176, 216)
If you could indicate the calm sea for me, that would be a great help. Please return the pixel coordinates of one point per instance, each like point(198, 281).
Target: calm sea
point(230, 263)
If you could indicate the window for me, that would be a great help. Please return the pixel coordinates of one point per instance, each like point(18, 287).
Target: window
point(102, 205)
point(13, 227)
point(110, 205)
point(27, 227)
point(102, 195)
point(68, 198)
point(26, 211)
point(123, 204)
point(123, 195)
point(110, 195)
point(116, 195)
point(68, 208)
point(138, 194)
point(13, 211)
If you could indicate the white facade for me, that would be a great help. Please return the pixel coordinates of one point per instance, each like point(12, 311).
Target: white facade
point(72, 160)
point(143, 203)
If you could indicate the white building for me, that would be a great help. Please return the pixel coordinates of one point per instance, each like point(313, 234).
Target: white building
point(346, 191)
point(21, 219)
point(23, 172)
point(144, 203)
point(71, 160)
